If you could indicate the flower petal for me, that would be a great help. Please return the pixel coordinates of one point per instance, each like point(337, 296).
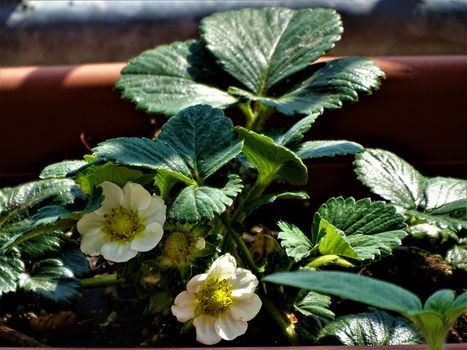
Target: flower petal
point(193, 285)
point(223, 267)
point(91, 243)
point(146, 240)
point(90, 223)
point(184, 307)
point(118, 251)
point(244, 283)
point(113, 195)
point(245, 309)
point(135, 196)
point(205, 330)
point(229, 328)
point(155, 212)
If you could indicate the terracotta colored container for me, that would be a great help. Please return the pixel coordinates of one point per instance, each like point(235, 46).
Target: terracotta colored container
point(53, 113)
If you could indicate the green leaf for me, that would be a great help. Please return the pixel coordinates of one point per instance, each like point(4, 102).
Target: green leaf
point(297, 246)
point(457, 255)
point(390, 177)
point(375, 328)
point(254, 204)
point(296, 133)
point(169, 78)
point(195, 204)
point(351, 286)
point(315, 149)
point(51, 279)
point(271, 159)
point(312, 304)
point(11, 267)
point(94, 175)
point(62, 169)
point(39, 246)
point(446, 193)
point(334, 241)
point(191, 146)
point(261, 47)
point(327, 86)
point(372, 229)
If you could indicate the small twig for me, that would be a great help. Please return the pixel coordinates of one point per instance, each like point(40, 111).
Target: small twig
point(85, 141)
point(17, 338)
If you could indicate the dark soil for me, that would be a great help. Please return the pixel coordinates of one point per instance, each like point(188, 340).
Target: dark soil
point(114, 317)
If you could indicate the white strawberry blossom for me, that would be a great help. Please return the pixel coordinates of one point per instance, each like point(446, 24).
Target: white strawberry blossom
point(129, 221)
point(220, 301)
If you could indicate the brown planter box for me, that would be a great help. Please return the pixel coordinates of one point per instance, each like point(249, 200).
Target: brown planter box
point(419, 113)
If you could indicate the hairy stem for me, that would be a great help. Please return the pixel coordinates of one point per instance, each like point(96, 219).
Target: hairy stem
point(288, 329)
point(101, 281)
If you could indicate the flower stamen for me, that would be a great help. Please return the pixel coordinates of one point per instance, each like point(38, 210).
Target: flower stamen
point(215, 297)
point(122, 223)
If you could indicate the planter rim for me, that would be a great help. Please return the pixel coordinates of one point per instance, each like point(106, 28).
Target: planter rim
point(104, 74)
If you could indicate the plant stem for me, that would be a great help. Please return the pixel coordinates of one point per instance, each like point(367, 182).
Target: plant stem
point(241, 246)
point(250, 116)
point(288, 329)
point(101, 281)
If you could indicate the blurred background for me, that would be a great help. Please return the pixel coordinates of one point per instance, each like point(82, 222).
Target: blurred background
point(51, 32)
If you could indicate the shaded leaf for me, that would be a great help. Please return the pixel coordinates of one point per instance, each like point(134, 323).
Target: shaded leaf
point(261, 47)
point(51, 279)
point(11, 267)
point(94, 175)
point(271, 198)
point(312, 304)
point(457, 255)
point(271, 159)
point(169, 78)
point(315, 149)
point(193, 144)
point(62, 169)
point(195, 204)
point(375, 328)
point(332, 83)
point(351, 286)
point(296, 133)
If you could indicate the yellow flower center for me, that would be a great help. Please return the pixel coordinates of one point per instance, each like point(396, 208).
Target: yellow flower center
point(215, 297)
point(122, 223)
point(180, 247)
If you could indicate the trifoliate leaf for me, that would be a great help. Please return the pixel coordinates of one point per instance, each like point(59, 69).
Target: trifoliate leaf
point(375, 328)
point(312, 304)
point(254, 204)
point(169, 78)
point(51, 279)
point(372, 229)
point(297, 246)
point(271, 159)
point(296, 133)
point(315, 149)
point(191, 146)
point(390, 177)
point(202, 203)
point(261, 47)
point(325, 88)
point(434, 201)
point(11, 267)
point(62, 169)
